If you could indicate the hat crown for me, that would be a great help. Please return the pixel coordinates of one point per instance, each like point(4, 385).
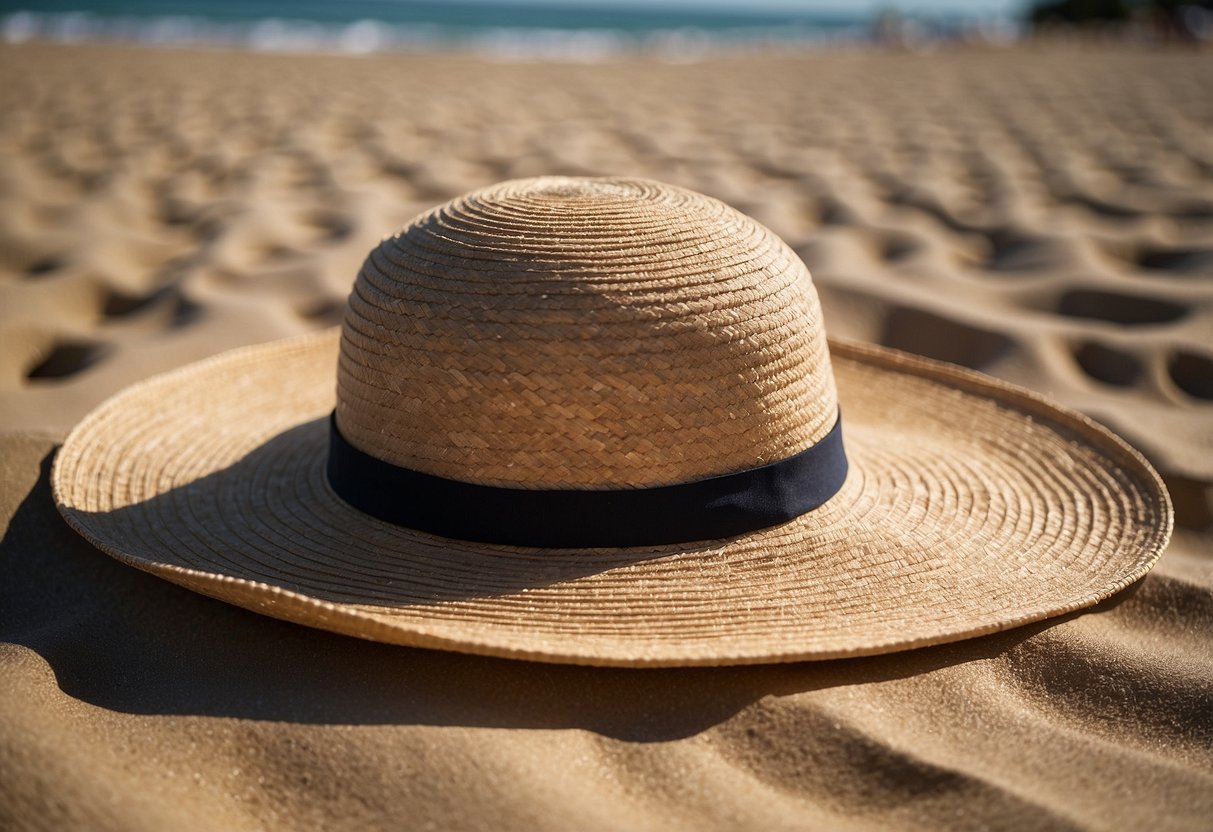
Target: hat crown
point(567, 332)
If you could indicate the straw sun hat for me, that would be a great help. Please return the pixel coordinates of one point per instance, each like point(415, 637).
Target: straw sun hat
point(598, 421)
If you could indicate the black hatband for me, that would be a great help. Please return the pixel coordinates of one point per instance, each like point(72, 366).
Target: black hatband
point(723, 506)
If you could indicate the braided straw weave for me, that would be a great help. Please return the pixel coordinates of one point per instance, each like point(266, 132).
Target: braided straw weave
point(604, 334)
point(583, 334)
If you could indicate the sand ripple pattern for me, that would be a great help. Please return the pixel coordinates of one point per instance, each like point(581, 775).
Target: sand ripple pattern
point(1047, 218)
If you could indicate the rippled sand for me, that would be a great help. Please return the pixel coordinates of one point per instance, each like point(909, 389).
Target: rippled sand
point(1040, 215)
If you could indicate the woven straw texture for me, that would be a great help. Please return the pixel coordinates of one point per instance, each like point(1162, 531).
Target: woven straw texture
point(583, 333)
point(598, 334)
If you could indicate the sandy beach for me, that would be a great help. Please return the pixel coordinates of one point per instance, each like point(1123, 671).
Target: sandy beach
point(1039, 213)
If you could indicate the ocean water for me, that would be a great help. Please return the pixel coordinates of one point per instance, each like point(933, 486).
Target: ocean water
point(509, 28)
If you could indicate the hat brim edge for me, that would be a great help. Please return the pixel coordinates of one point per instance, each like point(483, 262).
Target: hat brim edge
point(288, 605)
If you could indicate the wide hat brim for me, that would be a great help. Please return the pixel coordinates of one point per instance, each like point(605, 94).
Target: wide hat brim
point(971, 506)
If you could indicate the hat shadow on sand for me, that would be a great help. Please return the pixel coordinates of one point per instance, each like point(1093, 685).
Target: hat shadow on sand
point(120, 639)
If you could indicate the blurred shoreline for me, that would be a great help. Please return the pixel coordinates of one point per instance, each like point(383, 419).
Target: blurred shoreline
point(521, 32)
point(575, 35)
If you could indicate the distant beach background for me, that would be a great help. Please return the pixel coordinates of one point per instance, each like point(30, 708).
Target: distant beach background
point(567, 29)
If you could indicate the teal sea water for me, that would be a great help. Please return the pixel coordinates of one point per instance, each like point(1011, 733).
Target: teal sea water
point(384, 25)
